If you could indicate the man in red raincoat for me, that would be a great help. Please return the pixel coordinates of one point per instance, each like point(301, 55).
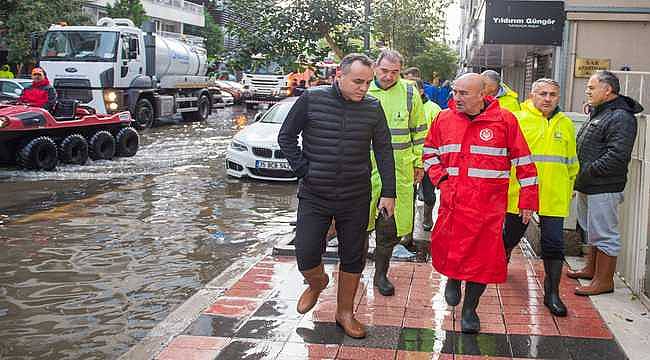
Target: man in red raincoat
point(41, 93)
point(468, 154)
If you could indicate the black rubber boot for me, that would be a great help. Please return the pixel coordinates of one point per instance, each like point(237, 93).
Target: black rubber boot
point(427, 217)
point(470, 322)
point(382, 263)
point(553, 270)
point(508, 254)
point(452, 292)
point(423, 250)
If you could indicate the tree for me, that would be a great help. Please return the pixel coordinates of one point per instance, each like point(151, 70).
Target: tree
point(29, 17)
point(213, 36)
point(129, 9)
point(436, 59)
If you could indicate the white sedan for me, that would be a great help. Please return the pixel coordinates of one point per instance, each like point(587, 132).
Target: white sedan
point(254, 151)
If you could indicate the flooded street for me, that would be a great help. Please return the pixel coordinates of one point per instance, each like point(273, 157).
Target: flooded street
point(92, 257)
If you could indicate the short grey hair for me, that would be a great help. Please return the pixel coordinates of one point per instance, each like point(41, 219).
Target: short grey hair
point(349, 59)
point(492, 76)
point(610, 79)
point(391, 55)
point(544, 81)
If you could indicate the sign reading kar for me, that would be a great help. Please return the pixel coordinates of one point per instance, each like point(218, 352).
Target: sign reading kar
point(524, 22)
point(586, 67)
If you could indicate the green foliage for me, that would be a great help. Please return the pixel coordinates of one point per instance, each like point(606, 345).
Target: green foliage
point(23, 18)
point(213, 36)
point(436, 59)
point(128, 9)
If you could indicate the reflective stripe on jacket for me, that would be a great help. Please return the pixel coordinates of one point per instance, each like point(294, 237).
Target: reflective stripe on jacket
point(470, 161)
point(407, 130)
point(553, 145)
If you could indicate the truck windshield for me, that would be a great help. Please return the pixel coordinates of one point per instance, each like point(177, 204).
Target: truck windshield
point(79, 46)
point(266, 68)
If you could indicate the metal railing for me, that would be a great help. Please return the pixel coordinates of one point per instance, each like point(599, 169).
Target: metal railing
point(180, 4)
point(635, 210)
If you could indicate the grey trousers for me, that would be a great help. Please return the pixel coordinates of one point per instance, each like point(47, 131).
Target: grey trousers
point(598, 217)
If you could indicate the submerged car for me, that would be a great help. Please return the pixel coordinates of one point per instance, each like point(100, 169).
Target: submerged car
point(254, 151)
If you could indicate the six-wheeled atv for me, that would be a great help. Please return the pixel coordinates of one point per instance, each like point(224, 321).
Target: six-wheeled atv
point(35, 139)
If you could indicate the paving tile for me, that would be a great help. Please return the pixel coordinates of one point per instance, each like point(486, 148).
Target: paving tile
point(380, 337)
point(535, 319)
point(424, 340)
point(532, 329)
point(233, 307)
point(193, 347)
point(413, 355)
point(317, 333)
point(480, 344)
point(250, 350)
point(391, 311)
point(356, 353)
point(187, 354)
point(532, 346)
point(243, 292)
point(293, 351)
point(267, 329)
point(583, 328)
point(278, 309)
point(594, 349)
point(211, 325)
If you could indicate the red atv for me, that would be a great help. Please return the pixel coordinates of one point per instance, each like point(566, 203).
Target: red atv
point(35, 139)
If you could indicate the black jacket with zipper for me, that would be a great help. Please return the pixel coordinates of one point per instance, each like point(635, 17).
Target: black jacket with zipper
point(604, 146)
point(334, 161)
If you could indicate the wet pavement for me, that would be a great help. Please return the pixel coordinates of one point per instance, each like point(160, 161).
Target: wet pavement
point(256, 318)
point(92, 257)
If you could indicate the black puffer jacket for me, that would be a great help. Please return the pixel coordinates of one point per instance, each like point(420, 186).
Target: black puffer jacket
point(334, 162)
point(605, 144)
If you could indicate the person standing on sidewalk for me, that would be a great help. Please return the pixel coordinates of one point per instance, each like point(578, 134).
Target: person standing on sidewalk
point(605, 145)
point(468, 154)
point(338, 123)
point(508, 99)
point(405, 116)
point(551, 138)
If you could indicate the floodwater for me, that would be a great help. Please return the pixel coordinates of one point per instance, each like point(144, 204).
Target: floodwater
point(93, 257)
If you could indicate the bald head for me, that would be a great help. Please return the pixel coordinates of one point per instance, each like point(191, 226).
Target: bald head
point(468, 92)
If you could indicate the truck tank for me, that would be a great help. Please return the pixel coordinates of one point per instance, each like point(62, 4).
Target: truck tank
point(175, 58)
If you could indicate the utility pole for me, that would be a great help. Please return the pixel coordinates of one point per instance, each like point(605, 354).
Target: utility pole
point(366, 35)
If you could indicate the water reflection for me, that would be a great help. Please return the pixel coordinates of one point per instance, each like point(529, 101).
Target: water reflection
point(93, 257)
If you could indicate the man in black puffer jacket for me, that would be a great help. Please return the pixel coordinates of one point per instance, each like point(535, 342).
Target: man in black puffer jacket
point(338, 124)
point(604, 148)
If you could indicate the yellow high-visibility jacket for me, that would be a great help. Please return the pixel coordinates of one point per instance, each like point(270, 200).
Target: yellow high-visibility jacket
point(509, 100)
point(552, 143)
point(408, 130)
point(431, 110)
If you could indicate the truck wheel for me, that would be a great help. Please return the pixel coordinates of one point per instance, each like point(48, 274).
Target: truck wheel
point(101, 146)
point(39, 154)
point(128, 141)
point(74, 150)
point(144, 114)
point(202, 114)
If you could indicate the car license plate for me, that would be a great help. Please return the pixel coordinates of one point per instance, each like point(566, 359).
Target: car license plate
point(260, 164)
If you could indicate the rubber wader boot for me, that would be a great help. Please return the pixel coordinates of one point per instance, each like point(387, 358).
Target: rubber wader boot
point(423, 250)
point(386, 239)
point(427, 217)
point(603, 281)
point(470, 322)
point(587, 272)
point(553, 270)
point(508, 254)
point(317, 280)
point(452, 292)
point(348, 283)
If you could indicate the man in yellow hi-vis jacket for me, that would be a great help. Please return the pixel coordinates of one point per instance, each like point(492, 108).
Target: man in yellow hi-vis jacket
point(508, 99)
point(551, 138)
point(402, 106)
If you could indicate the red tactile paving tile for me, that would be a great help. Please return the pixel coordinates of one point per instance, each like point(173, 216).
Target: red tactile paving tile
point(308, 351)
point(583, 327)
point(532, 329)
point(243, 292)
point(233, 307)
point(517, 319)
point(193, 348)
point(413, 355)
point(391, 311)
point(357, 353)
point(429, 323)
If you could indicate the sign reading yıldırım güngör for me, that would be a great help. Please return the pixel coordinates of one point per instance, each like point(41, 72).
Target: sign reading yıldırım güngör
point(524, 22)
point(587, 67)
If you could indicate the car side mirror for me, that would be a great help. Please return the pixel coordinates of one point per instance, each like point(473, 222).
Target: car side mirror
point(257, 117)
point(18, 92)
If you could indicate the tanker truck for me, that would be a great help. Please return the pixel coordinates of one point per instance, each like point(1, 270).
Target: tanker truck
point(116, 66)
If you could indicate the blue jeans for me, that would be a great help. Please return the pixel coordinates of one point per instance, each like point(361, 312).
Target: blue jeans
point(598, 217)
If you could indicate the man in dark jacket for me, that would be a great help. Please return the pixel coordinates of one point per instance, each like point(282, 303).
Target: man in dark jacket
point(41, 93)
point(338, 124)
point(604, 147)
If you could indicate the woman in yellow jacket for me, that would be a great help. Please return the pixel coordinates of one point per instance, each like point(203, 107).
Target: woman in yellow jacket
point(551, 137)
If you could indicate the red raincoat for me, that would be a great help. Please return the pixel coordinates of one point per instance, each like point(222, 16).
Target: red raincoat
point(475, 157)
point(41, 94)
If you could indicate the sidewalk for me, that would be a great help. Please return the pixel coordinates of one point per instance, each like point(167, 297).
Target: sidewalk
point(256, 319)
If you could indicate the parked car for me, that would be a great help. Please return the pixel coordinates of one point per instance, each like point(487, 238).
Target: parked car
point(11, 89)
point(254, 151)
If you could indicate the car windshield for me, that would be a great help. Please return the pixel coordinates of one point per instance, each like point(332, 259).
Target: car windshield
point(25, 83)
point(277, 113)
point(266, 68)
point(79, 46)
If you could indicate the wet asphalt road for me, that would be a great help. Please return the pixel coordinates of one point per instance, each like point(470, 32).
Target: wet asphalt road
point(93, 257)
